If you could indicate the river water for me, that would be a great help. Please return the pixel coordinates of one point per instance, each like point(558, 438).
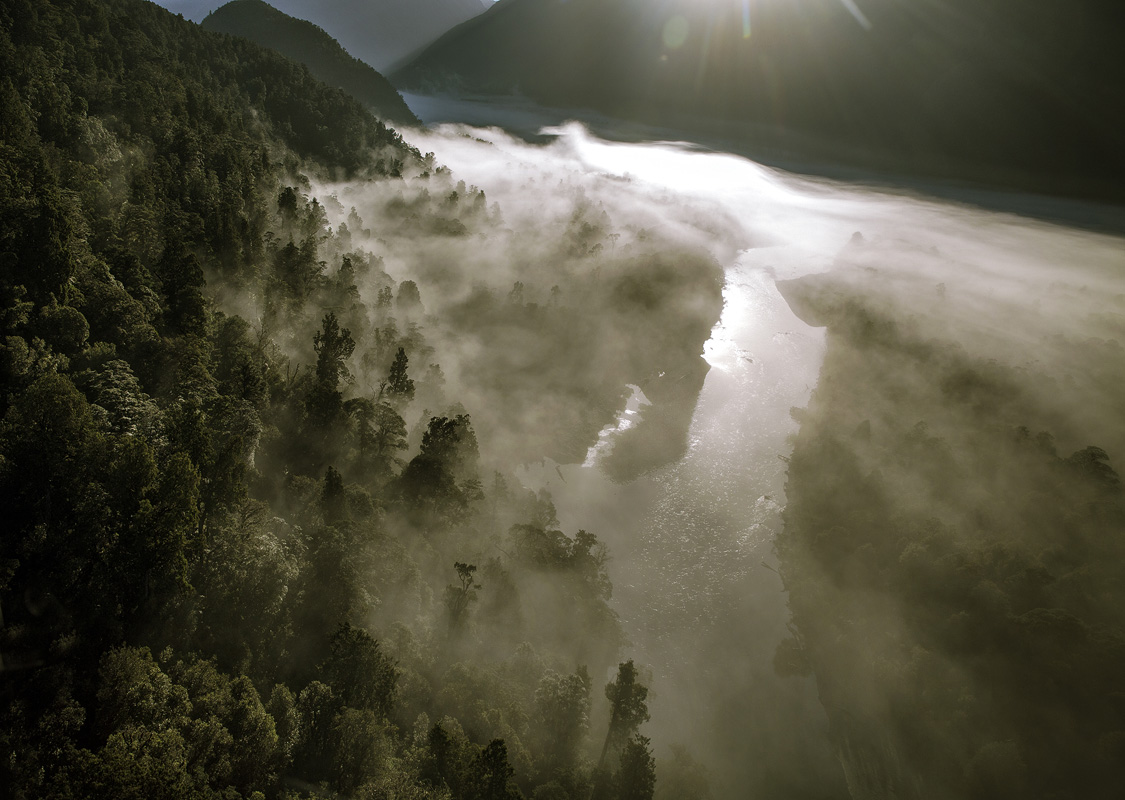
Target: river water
point(691, 544)
point(693, 566)
point(694, 569)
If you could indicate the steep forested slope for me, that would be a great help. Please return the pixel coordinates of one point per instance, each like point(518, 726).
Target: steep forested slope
point(309, 45)
point(1020, 94)
point(378, 33)
point(240, 557)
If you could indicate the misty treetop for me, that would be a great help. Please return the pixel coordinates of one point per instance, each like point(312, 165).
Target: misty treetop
point(257, 544)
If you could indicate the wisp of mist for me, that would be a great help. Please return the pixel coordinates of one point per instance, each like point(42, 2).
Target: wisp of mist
point(693, 567)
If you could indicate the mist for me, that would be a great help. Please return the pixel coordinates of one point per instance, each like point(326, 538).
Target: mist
point(686, 482)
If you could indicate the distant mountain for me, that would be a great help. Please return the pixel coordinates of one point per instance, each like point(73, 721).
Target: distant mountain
point(378, 32)
point(306, 43)
point(1025, 93)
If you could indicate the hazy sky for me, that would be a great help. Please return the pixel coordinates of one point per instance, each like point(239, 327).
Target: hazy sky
point(194, 10)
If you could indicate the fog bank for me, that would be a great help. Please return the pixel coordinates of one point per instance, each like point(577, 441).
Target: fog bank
point(692, 540)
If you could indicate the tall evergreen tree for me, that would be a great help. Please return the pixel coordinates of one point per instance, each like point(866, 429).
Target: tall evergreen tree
point(399, 386)
point(333, 346)
point(636, 777)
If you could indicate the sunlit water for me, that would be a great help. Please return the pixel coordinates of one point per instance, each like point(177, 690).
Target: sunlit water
point(693, 566)
point(624, 421)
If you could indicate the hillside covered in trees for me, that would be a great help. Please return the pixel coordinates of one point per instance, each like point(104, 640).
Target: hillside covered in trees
point(255, 545)
point(307, 44)
point(953, 543)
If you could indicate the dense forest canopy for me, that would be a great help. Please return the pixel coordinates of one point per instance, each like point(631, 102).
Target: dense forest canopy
point(255, 544)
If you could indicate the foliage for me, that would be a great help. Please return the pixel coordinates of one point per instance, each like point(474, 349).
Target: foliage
point(308, 44)
point(195, 463)
point(954, 580)
point(399, 386)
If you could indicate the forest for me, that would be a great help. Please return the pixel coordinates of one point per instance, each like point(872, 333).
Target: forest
point(270, 376)
point(310, 45)
point(952, 545)
point(257, 543)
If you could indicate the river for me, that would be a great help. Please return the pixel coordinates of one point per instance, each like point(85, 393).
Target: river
point(692, 563)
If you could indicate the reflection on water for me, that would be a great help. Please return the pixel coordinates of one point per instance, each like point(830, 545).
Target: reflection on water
point(693, 567)
point(691, 543)
point(625, 420)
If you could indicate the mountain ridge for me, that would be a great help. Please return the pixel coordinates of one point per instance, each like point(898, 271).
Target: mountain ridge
point(1029, 101)
point(312, 46)
point(378, 33)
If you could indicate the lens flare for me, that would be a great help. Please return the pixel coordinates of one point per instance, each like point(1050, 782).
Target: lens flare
point(860, 17)
point(676, 32)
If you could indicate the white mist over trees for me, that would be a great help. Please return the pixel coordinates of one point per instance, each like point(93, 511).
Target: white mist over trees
point(996, 298)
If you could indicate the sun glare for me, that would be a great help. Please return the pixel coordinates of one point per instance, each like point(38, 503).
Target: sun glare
point(677, 28)
point(676, 31)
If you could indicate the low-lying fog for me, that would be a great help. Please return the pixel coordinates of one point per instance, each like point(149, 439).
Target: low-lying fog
point(691, 542)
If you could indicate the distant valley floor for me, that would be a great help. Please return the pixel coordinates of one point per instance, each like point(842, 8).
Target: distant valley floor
point(528, 120)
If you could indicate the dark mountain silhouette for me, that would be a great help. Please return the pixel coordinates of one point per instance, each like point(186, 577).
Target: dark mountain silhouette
point(1017, 93)
point(304, 42)
point(379, 32)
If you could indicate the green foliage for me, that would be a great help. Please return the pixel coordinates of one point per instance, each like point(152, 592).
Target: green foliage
point(399, 386)
point(333, 346)
point(628, 701)
point(409, 298)
point(441, 481)
point(490, 777)
point(954, 581)
point(443, 763)
point(636, 777)
point(177, 478)
point(359, 755)
point(317, 708)
point(360, 675)
point(452, 443)
point(624, 747)
point(310, 45)
point(380, 433)
point(562, 716)
point(458, 598)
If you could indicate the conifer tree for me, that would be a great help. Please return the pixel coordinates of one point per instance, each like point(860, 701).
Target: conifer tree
point(399, 385)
